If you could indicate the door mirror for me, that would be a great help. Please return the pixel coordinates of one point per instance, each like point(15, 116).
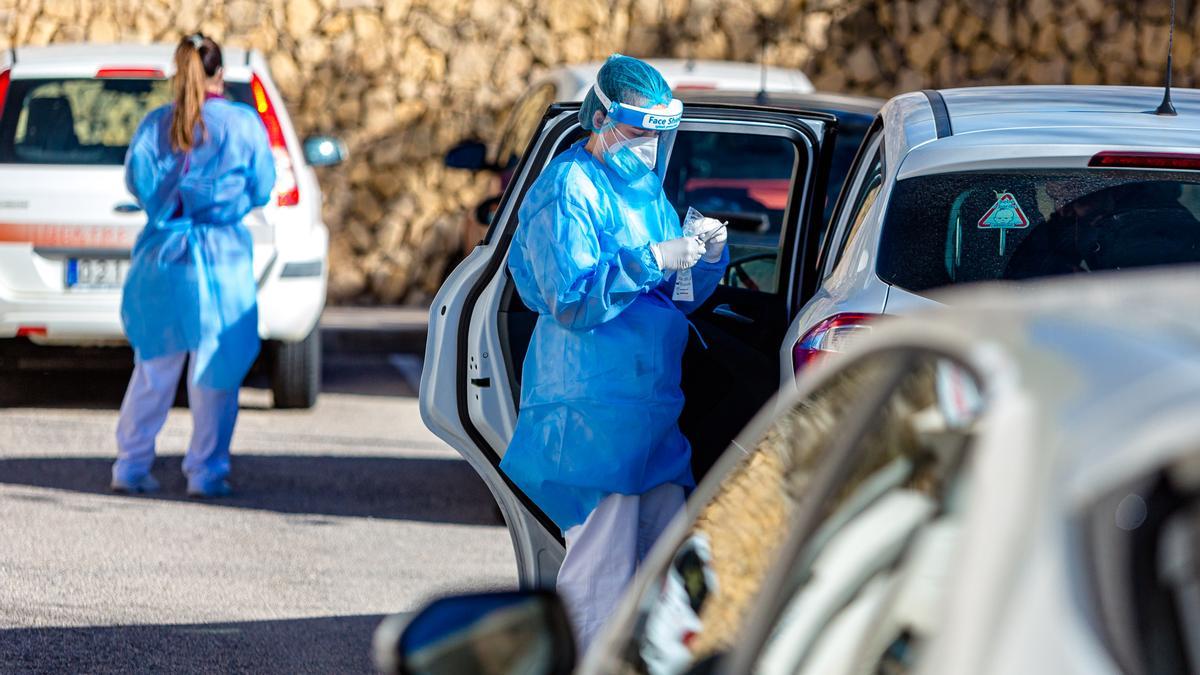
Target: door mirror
point(470, 155)
point(325, 151)
point(494, 633)
point(486, 211)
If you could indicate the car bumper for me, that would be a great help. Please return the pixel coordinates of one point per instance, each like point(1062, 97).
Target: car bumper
point(34, 304)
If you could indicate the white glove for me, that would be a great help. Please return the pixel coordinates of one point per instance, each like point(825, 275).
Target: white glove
point(714, 234)
point(674, 255)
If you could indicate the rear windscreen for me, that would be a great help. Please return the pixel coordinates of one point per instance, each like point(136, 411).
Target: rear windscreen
point(957, 228)
point(80, 121)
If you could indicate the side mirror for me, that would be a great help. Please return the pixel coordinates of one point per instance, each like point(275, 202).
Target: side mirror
point(495, 633)
point(471, 155)
point(486, 211)
point(325, 151)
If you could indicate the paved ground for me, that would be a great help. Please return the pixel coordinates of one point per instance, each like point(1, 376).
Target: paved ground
point(343, 514)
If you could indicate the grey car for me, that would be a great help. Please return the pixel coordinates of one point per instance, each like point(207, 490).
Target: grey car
point(1000, 183)
point(1010, 487)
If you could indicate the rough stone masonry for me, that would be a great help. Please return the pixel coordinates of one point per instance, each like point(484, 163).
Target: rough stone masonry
point(404, 80)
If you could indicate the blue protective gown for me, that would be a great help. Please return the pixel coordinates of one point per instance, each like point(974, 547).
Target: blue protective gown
point(191, 285)
point(600, 397)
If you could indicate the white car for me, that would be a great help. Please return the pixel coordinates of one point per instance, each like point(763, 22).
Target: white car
point(67, 223)
point(1011, 487)
point(1001, 183)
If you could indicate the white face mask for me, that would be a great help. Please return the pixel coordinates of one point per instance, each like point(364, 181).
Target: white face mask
point(646, 149)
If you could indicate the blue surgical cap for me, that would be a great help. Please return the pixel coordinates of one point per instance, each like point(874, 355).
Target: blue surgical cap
point(625, 79)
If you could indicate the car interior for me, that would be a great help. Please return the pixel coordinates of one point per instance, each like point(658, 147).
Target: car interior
point(743, 323)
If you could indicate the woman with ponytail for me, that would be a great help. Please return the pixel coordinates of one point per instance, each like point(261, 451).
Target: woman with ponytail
point(197, 166)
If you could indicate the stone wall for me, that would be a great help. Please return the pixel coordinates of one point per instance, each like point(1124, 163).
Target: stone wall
point(403, 80)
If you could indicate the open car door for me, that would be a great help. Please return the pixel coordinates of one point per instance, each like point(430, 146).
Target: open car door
point(762, 170)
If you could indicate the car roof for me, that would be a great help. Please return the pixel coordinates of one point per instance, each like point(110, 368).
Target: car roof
point(683, 74)
point(1100, 355)
point(1057, 126)
point(76, 60)
point(841, 104)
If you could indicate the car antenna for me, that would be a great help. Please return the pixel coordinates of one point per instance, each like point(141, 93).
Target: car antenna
point(761, 99)
point(1166, 107)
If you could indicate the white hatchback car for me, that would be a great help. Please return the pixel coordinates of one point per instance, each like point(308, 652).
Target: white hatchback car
point(1001, 183)
point(1011, 487)
point(67, 223)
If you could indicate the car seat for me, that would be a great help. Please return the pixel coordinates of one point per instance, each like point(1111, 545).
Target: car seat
point(50, 125)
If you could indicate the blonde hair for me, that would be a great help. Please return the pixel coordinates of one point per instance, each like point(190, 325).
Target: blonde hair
point(193, 68)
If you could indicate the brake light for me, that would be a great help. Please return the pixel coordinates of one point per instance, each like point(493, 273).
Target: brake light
point(1177, 161)
point(31, 331)
point(285, 174)
point(4, 79)
point(130, 74)
point(829, 337)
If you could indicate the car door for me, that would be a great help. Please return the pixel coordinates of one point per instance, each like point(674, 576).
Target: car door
point(479, 328)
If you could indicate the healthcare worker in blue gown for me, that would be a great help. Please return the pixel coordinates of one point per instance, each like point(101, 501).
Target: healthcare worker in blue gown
point(597, 252)
point(196, 167)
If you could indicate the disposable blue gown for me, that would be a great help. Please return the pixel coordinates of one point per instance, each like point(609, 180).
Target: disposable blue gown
point(191, 285)
point(600, 397)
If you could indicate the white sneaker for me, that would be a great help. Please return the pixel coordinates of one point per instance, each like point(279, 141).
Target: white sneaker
point(144, 485)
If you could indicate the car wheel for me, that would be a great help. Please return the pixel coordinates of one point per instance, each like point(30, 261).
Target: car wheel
point(296, 371)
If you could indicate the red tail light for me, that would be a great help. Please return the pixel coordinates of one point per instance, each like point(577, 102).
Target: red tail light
point(829, 337)
point(4, 78)
point(31, 331)
point(1176, 161)
point(285, 174)
point(130, 74)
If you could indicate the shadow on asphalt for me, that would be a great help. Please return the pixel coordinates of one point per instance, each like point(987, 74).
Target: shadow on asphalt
point(417, 489)
point(339, 644)
point(92, 388)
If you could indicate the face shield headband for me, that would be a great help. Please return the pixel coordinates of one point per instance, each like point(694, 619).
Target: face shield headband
point(642, 118)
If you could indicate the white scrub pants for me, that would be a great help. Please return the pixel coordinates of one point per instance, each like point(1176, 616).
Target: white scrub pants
point(144, 411)
point(603, 554)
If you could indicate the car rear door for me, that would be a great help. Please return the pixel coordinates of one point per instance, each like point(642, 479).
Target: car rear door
point(479, 328)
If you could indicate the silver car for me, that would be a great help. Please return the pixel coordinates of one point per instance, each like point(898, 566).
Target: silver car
point(1007, 488)
point(1001, 183)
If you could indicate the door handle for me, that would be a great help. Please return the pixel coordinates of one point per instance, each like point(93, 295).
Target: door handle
point(126, 207)
point(481, 381)
point(727, 312)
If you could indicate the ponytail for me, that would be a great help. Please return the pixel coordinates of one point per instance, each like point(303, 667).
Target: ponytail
point(197, 59)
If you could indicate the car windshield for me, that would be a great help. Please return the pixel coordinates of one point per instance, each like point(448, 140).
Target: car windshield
point(81, 121)
point(957, 228)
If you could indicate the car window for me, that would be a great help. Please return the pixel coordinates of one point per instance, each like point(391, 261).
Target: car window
point(744, 179)
point(696, 609)
point(523, 122)
point(81, 121)
point(868, 183)
point(955, 228)
point(863, 590)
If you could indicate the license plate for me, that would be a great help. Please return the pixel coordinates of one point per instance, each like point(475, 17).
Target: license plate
point(88, 273)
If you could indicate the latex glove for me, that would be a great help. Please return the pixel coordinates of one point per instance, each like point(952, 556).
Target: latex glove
point(714, 234)
point(674, 255)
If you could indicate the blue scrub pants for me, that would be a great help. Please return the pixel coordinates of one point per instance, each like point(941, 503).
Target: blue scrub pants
point(144, 411)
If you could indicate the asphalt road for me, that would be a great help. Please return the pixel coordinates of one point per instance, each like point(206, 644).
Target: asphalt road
point(341, 515)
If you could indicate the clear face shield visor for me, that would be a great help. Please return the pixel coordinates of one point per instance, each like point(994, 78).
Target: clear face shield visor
point(634, 155)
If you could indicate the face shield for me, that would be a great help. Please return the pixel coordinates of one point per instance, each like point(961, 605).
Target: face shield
point(633, 153)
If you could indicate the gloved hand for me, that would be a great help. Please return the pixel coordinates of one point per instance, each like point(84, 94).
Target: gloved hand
point(714, 233)
point(674, 255)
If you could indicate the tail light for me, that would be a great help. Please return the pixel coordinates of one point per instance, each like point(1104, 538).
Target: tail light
point(130, 74)
point(1176, 161)
point(4, 79)
point(829, 337)
point(286, 185)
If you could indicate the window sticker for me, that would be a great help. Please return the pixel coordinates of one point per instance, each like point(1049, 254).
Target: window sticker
point(1005, 215)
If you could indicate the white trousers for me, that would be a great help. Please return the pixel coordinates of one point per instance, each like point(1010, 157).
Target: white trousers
point(604, 552)
point(144, 411)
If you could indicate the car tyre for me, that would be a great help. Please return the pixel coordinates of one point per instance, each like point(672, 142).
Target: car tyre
point(296, 372)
